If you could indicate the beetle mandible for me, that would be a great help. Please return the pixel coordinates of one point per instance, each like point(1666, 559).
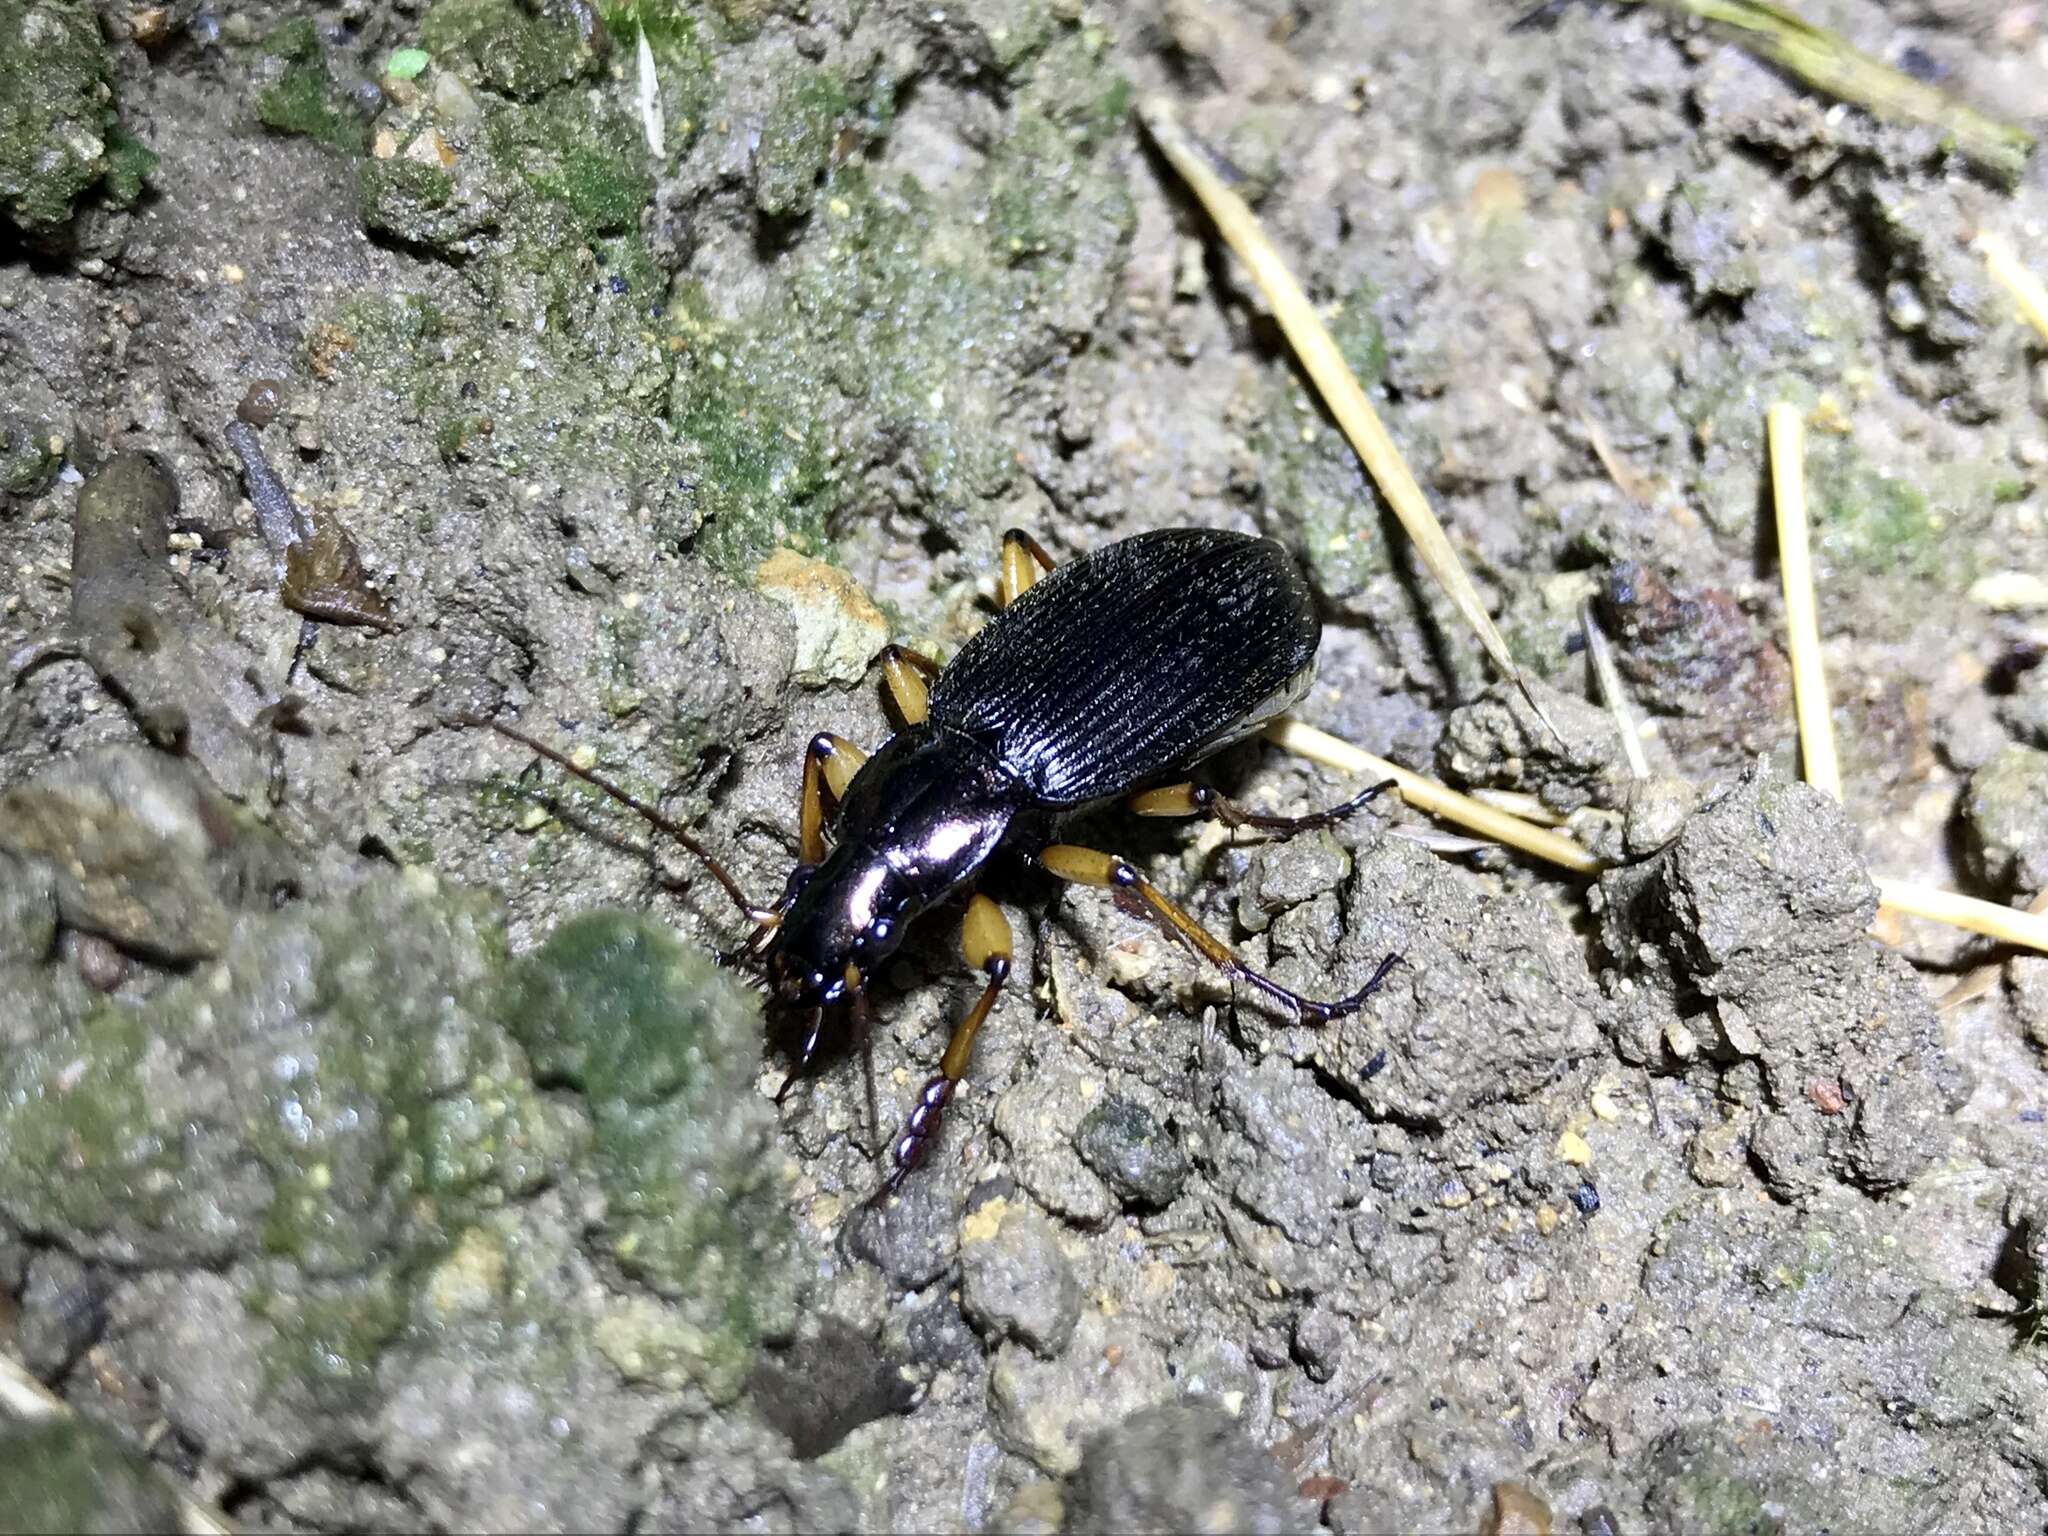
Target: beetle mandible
point(1103, 679)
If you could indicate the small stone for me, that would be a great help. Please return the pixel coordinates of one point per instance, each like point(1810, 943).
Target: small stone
point(2005, 821)
point(1284, 875)
point(1736, 1029)
point(1546, 1219)
point(1680, 1041)
point(910, 1239)
point(453, 101)
point(838, 627)
point(1573, 1148)
point(1045, 1409)
point(2010, 592)
point(1655, 811)
point(470, 1279)
point(150, 26)
point(1036, 1509)
point(100, 964)
point(1015, 1281)
point(1716, 1155)
point(1184, 1467)
point(1319, 1339)
point(1133, 1154)
point(261, 402)
point(1516, 1510)
point(2026, 978)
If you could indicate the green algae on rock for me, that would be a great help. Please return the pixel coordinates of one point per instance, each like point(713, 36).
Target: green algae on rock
point(507, 48)
point(663, 1047)
point(322, 1092)
point(301, 96)
point(55, 113)
point(2005, 821)
point(69, 1475)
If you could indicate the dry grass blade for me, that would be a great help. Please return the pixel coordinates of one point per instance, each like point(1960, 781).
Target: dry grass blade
point(1828, 63)
point(1802, 621)
point(1975, 983)
point(1521, 804)
point(1427, 795)
point(1626, 480)
point(2028, 929)
point(27, 1399)
point(2012, 275)
point(1334, 380)
point(1609, 678)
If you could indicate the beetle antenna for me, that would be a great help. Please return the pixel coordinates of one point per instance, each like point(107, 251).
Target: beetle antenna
point(653, 817)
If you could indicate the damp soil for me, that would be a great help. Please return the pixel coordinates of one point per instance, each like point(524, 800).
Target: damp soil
point(380, 1147)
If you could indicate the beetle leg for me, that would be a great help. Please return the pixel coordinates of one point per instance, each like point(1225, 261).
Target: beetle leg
point(813, 1032)
point(986, 942)
point(907, 676)
point(830, 762)
point(1201, 800)
point(1024, 561)
point(1085, 866)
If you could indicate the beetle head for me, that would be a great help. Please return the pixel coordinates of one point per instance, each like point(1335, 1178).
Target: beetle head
point(839, 920)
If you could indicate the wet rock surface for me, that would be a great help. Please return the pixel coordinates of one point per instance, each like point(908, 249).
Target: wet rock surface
point(381, 1148)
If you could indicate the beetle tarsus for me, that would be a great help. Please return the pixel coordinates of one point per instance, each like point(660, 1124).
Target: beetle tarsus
point(1317, 1014)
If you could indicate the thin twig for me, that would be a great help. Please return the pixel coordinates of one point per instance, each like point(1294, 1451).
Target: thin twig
point(2009, 924)
point(1339, 387)
point(1608, 676)
point(1427, 795)
point(2013, 276)
point(27, 1399)
point(1802, 622)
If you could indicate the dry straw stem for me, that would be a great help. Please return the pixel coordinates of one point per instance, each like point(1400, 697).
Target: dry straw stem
point(2029, 929)
point(27, 1399)
point(1986, 917)
point(1609, 678)
point(1520, 804)
point(2012, 275)
point(1333, 378)
point(1426, 795)
point(1802, 622)
point(1826, 62)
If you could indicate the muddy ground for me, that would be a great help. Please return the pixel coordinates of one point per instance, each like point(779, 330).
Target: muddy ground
point(378, 1145)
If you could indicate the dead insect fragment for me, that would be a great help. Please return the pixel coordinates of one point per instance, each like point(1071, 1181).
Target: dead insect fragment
point(318, 571)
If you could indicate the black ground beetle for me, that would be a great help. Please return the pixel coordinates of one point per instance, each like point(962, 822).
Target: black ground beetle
point(1103, 679)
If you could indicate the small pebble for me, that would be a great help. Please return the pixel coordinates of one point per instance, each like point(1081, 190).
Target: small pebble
point(262, 401)
point(1515, 1510)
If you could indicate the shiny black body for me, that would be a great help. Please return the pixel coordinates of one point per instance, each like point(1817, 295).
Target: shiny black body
point(1116, 671)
